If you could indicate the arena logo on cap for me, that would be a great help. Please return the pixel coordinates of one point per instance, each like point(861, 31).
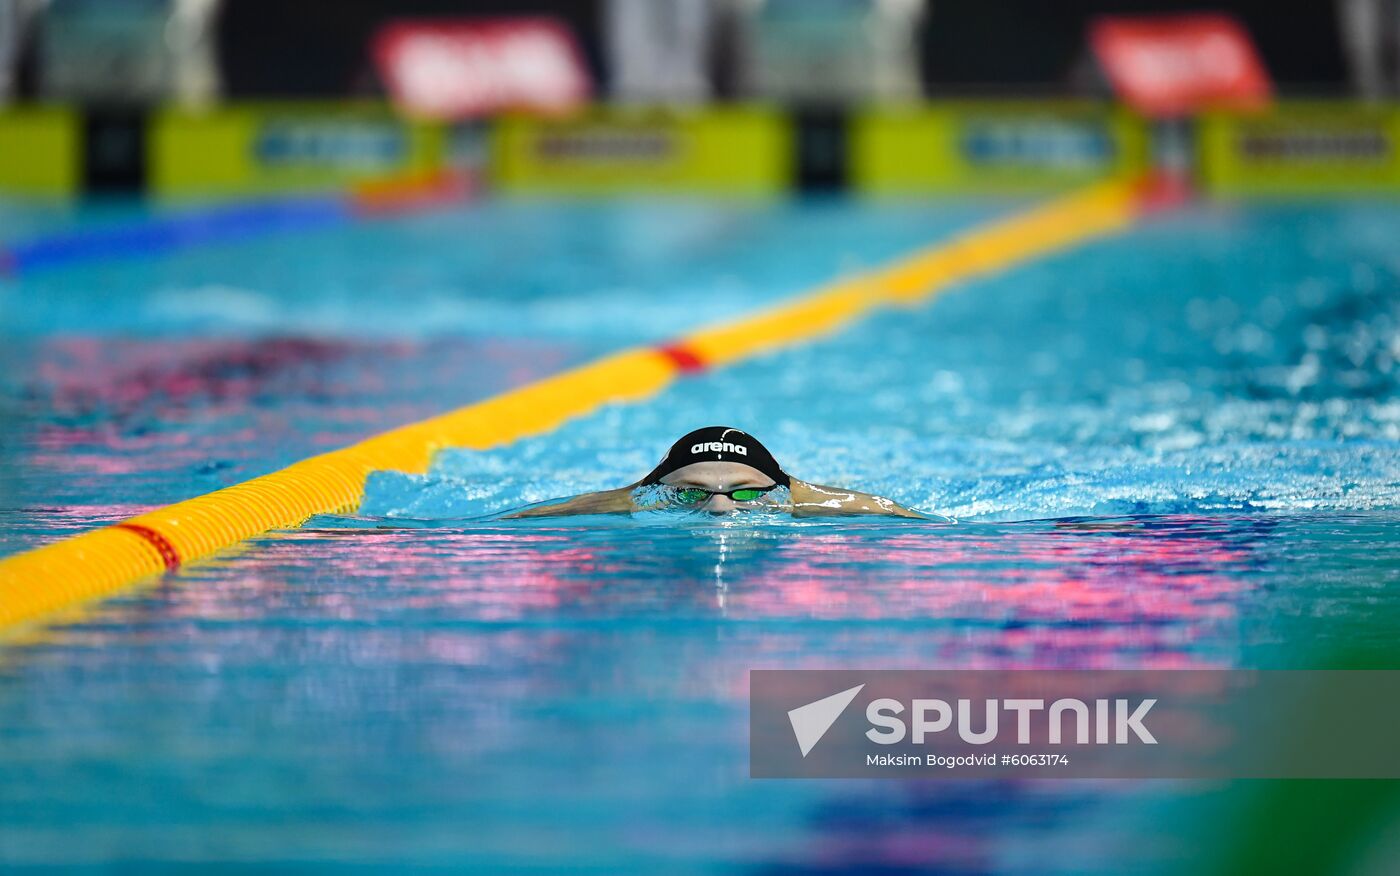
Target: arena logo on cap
point(719, 447)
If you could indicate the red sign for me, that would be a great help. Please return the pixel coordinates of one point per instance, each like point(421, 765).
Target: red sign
point(1172, 65)
point(470, 67)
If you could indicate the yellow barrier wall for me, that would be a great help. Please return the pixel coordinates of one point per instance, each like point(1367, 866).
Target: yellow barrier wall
point(952, 147)
point(253, 149)
point(1302, 148)
point(731, 150)
point(992, 146)
point(40, 152)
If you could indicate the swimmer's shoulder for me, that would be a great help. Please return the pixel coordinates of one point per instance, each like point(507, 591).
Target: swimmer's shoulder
point(618, 501)
point(820, 500)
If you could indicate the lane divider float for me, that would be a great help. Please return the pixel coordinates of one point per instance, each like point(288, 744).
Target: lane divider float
point(97, 563)
point(195, 227)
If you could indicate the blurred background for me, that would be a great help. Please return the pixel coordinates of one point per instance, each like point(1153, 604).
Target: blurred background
point(235, 233)
point(140, 81)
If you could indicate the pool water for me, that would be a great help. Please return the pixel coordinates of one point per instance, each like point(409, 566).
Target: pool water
point(1176, 447)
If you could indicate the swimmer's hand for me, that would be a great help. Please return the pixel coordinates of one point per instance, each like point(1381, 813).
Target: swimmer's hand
point(617, 501)
point(815, 500)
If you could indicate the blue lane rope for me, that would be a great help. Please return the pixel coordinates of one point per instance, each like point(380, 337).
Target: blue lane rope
point(164, 234)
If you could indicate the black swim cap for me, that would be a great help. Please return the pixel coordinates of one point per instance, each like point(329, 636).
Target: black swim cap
point(718, 444)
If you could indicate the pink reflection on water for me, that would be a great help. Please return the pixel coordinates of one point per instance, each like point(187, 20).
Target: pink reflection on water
point(1030, 596)
point(118, 375)
point(33, 525)
point(87, 516)
point(401, 573)
point(120, 406)
point(1030, 576)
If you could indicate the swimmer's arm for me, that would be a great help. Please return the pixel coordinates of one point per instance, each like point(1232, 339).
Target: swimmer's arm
point(617, 501)
point(815, 500)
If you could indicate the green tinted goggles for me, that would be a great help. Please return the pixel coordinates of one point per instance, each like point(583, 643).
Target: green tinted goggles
point(697, 495)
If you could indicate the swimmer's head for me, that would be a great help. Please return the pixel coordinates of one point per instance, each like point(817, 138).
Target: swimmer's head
point(719, 460)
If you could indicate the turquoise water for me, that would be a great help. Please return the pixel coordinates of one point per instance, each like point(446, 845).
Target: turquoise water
point(1178, 447)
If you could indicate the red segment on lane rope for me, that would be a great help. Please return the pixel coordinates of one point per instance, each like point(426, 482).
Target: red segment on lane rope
point(408, 194)
point(1161, 190)
point(683, 357)
point(1172, 65)
point(167, 551)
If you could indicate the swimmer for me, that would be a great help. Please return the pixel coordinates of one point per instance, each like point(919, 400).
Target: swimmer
point(721, 470)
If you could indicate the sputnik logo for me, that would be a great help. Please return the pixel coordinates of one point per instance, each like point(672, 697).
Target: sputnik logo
point(810, 722)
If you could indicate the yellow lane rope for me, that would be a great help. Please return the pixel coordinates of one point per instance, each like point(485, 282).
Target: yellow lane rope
point(94, 564)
